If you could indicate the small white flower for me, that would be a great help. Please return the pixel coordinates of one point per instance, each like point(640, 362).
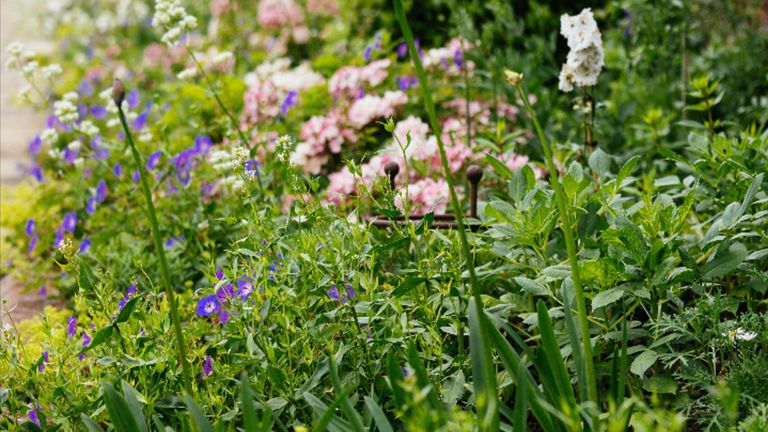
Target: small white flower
point(65, 111)
point(12, 63)
point(87, 127)
point(24, 92)
point(187, 74)
point(78, 162)
point(585, 58)
point(740, 334)
point(221, 57)
point(145, 136)
point(51, 71)
point(71, 96)
point(75, 145)
point(29, 69)
point(14, 48)
point(49, 136)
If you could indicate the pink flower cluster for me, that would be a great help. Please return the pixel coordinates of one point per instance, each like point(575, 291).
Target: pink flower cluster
point(284, 15)
point(369, 108)
point(320, 136)
point(350, 80)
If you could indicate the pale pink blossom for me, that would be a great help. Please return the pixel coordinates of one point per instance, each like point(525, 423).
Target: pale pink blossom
point(369, 108)
point(323, 7)
point(308, 159)
point(274, 14)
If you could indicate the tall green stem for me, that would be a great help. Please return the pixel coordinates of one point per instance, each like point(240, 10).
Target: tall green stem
point(180, 346)
point(567, 221)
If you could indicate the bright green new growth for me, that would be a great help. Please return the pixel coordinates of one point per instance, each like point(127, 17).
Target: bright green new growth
point(179, 335)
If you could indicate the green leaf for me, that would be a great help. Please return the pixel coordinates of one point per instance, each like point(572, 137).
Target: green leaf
point(498, 166)
point(531, 286)
point(101, 336)
point(127, 310)
point(378, 415)
point(627, 169)
point(727, 258)
point(604, 298)
point(86, 278)
point(642, 362)
point(199, 420)
point(483, 371)
point(346, 406)
point(250, 420)
point(90, 424)
point(600, 162)
point(132, 398)
point(119, 411)
point(660, 385)
point(408, 284)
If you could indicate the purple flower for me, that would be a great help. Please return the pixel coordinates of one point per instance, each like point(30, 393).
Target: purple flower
point(99, 152)
point(86, 342)
point(41, 368)
point(70, 155)
point(202, 144)
point(32, 244)
point(32, 414)
point(207, 366)
point(131, 290)
point(333, 293)
point(402, 50)
point(90, 205)
point(458, 58)
point(84, 245)
point(291, 99)
point(223, 317)
point(117, 170)
point(132, 99)
point(406, 372)
point(98, 112)
point(153, 159)
point(141, 121)
point(377, 43)
point(368, 53)
point(43, 292)
point(404, 83)
point(37, 173)
point(30, 227)
point(59, 238)
point(279, 255)
point(71, 327)
point(173, 241)
point(225, 292)
point(244, 289)
point(85, 88)
point(219, 274)
point(208, 305)
point(70, 222)
point(136, 176)
point(350, 294)
point(252, 167)
point(101, 190)
point(34, 145)
point(360, 93)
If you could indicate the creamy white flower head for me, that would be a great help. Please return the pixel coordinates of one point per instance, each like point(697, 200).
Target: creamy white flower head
point(187, 74)
point(586, 55)
point(29, 69)
point(51, 70)
point(87, 127)
point(65, 111)
point(14, 48)
point(740, 334)
point(49, 136)
point(221, 57)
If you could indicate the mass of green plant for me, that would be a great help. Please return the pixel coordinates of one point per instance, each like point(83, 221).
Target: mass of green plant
point(210, 218)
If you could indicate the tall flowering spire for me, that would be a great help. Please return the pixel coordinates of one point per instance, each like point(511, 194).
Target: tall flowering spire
point(585, 58)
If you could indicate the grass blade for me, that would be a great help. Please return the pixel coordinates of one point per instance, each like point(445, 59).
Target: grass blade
point(196, 414)
point(483, 371)
point(378, 415)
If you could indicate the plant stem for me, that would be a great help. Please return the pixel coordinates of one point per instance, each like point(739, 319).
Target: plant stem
point(570, 244)
point(180, 346)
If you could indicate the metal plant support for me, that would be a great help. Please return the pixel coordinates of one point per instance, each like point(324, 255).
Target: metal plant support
point(442, 221)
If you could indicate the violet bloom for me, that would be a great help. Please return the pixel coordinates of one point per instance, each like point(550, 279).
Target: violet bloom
point(34, 145)
point(59, 238)
point(37, 173)
point(252, 167)
point(173, 241)
point(86, 342)
point(141, 121)
point(202, 144)
point(402, 50)
point(117, 170)
point(85, 88)
point(223, 317)
point(71, 327)
point(131, 290)
point(32, 244)
point(225, 292)
point(208, 305)
point(219, 274)
point(377, 43)
point(207, 366)
point(244, 289)
point(333, 293)
point(404, 83)
point(70, 155)
point(136, 176)
point(29, 229)
point(101, 190)
point(458, 58)
point(43, 292)
point(350, 294)
point(132, 99)
point(32, 414)
point(98, 112)
point(153, 160)
point(84, 246)
point(368, 53)
point(41, 368)
point(291, 99)
point(90, 205)
point(99, 152)
point(70, 222)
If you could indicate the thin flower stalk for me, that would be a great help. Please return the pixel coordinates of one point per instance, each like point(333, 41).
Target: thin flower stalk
point(118, 93)
point(567, 226)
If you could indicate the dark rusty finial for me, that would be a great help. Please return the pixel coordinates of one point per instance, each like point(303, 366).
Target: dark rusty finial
point(474, 174)
point(391, 169)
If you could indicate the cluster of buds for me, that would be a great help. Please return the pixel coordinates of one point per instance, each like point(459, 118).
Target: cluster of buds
point(65, 109)
point(171, 17)
point(283, 146)
point(241, 156)
point(67, 248)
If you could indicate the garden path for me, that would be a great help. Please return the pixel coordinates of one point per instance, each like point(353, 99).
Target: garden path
point(18, 125)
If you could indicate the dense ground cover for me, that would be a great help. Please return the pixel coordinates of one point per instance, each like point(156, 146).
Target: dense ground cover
point(204, 218)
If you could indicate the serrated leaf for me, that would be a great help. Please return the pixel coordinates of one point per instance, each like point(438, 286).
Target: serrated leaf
point(641, 363)
point(607, 297)
point(531, 286)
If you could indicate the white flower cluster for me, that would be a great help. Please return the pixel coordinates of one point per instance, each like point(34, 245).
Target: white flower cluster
point(172, 17)
point(49, 136)
point(21, 59)
point(585, 58)
point(740, 334)
point(88, 128)
point(65, 109)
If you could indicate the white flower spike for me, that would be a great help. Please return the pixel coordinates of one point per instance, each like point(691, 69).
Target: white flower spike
point(586, 55)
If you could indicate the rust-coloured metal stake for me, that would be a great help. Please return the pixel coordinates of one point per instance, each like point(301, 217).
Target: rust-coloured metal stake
point(474, 174)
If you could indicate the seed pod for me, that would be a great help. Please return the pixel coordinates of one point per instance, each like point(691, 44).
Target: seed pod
point(118, 92)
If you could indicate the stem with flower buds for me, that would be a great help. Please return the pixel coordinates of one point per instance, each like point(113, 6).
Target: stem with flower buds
point(118, 93)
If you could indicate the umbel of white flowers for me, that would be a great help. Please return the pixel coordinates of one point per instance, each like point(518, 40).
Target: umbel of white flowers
point(585, 58)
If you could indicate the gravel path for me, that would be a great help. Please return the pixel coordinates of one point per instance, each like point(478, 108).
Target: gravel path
point(18, 125)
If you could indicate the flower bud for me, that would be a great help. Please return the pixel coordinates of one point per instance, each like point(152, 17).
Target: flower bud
point(118, 92)
point(513, 78)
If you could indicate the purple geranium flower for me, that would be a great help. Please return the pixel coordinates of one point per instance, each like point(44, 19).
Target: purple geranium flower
point(136, 176)
point(32, 244)
point(98, 112)
point(132, 99)
point(207, 366)
point(404, 83)
point(101, 190)
point(244, 289)
point(117, 170)
point(458, 58)
point(131, 290)
point(333, 293)
point(43, 292)
point(29, 229)
point(84, 245)
point(219, 274)
point(153, 159)
point(37, 173)
point(368, 53)
point(225, 292)
point(252, 167)
point(59, 238)
point(202, 144)
point(402, 50)
point(71, 327)
point(208, 305)
point(141, 121)
point(70, 222)
point(34, 145)
point(41, 368)
point(32, 414)
point(223, 317)
point(86, 342)
point(291, 99)
point(99, 152)
point(90, 205)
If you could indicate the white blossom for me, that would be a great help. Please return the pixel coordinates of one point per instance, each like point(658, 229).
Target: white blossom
point(221, 57)
point(87, 127)
point(585, 58)
point(740, 334)
point(171, 17)
point(65, 111)
point(51, 71)
point(187, 74)
point(49, 136)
